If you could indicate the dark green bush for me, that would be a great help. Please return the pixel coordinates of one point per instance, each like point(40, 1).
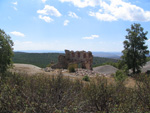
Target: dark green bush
point(86, 78)
point(120, 75)
point(72, 67)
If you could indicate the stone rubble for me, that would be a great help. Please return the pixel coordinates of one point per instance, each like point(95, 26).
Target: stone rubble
point(48, 69)
point(78, 72)
point(85, 72)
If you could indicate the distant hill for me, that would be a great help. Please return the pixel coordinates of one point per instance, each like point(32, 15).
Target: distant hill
point(38, 59)
point(43, 59)
point(115, 55)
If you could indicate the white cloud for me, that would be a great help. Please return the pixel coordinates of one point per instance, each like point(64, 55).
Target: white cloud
point(103, 17)
point(49, 10)
point(118, 9)
point(66, 22)
point(83, 3)
point(44, 1)
point(73, 15)
point(15, 8)
point(15, 3)
point(91, 37)
point(17, 34)
point(46, 18)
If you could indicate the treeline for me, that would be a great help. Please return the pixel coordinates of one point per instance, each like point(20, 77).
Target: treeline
point(44, 59)
point(38, 59)
point(98, 61)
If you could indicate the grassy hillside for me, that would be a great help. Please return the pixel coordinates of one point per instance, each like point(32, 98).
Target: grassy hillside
point(38, 59)
point(43, 59)
point(97, 61)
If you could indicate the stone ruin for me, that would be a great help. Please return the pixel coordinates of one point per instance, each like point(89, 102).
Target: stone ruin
point(81, 58)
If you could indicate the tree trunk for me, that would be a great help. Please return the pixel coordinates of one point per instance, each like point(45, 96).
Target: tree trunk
point(133, 70)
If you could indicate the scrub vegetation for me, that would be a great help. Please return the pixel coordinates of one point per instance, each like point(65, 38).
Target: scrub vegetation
point(45, 93)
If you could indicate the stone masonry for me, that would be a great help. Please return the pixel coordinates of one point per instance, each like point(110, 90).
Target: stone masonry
point(81, 58)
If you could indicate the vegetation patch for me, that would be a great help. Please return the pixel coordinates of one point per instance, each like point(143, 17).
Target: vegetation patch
point(86, 78)
point(120, 75)
point(72, 67)
point(42, 93)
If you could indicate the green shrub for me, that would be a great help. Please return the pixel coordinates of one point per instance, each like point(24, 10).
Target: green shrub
point(49, 65)
point(99, 96)
point(72, 67)
point(86, 78)
point(143, 97)
point(120, 75)
point(48, 94)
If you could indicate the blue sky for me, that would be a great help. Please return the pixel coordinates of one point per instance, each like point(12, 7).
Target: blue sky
point(91, 25)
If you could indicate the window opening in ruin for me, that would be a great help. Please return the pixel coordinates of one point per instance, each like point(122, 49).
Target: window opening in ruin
point(79, 65)
point(83, 66)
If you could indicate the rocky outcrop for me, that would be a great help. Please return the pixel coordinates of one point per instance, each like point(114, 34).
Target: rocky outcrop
point(106, 69)
point(86, 72)
point(81, 58)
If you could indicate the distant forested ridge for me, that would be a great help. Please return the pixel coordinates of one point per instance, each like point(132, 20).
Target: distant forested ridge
point(38, 59)
point(97, 61)
point(44, 59)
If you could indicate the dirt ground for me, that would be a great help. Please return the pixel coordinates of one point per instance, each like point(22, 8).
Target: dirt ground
point(34, 70)
point(26, 68)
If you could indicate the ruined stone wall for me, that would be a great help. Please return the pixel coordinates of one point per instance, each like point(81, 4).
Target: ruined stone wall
point(85, 59)
point(78, 55)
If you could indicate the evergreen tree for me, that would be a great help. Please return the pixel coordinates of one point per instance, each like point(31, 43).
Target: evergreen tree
point(135, 50)
point(6, 51)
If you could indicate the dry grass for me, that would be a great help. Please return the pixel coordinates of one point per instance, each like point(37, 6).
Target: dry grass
point(27, 69)
point(130, 83)
point(58, 93)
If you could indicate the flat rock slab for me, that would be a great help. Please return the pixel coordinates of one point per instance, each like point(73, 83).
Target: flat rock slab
point(146, 67)
point(26, 68)
point(106, 69)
